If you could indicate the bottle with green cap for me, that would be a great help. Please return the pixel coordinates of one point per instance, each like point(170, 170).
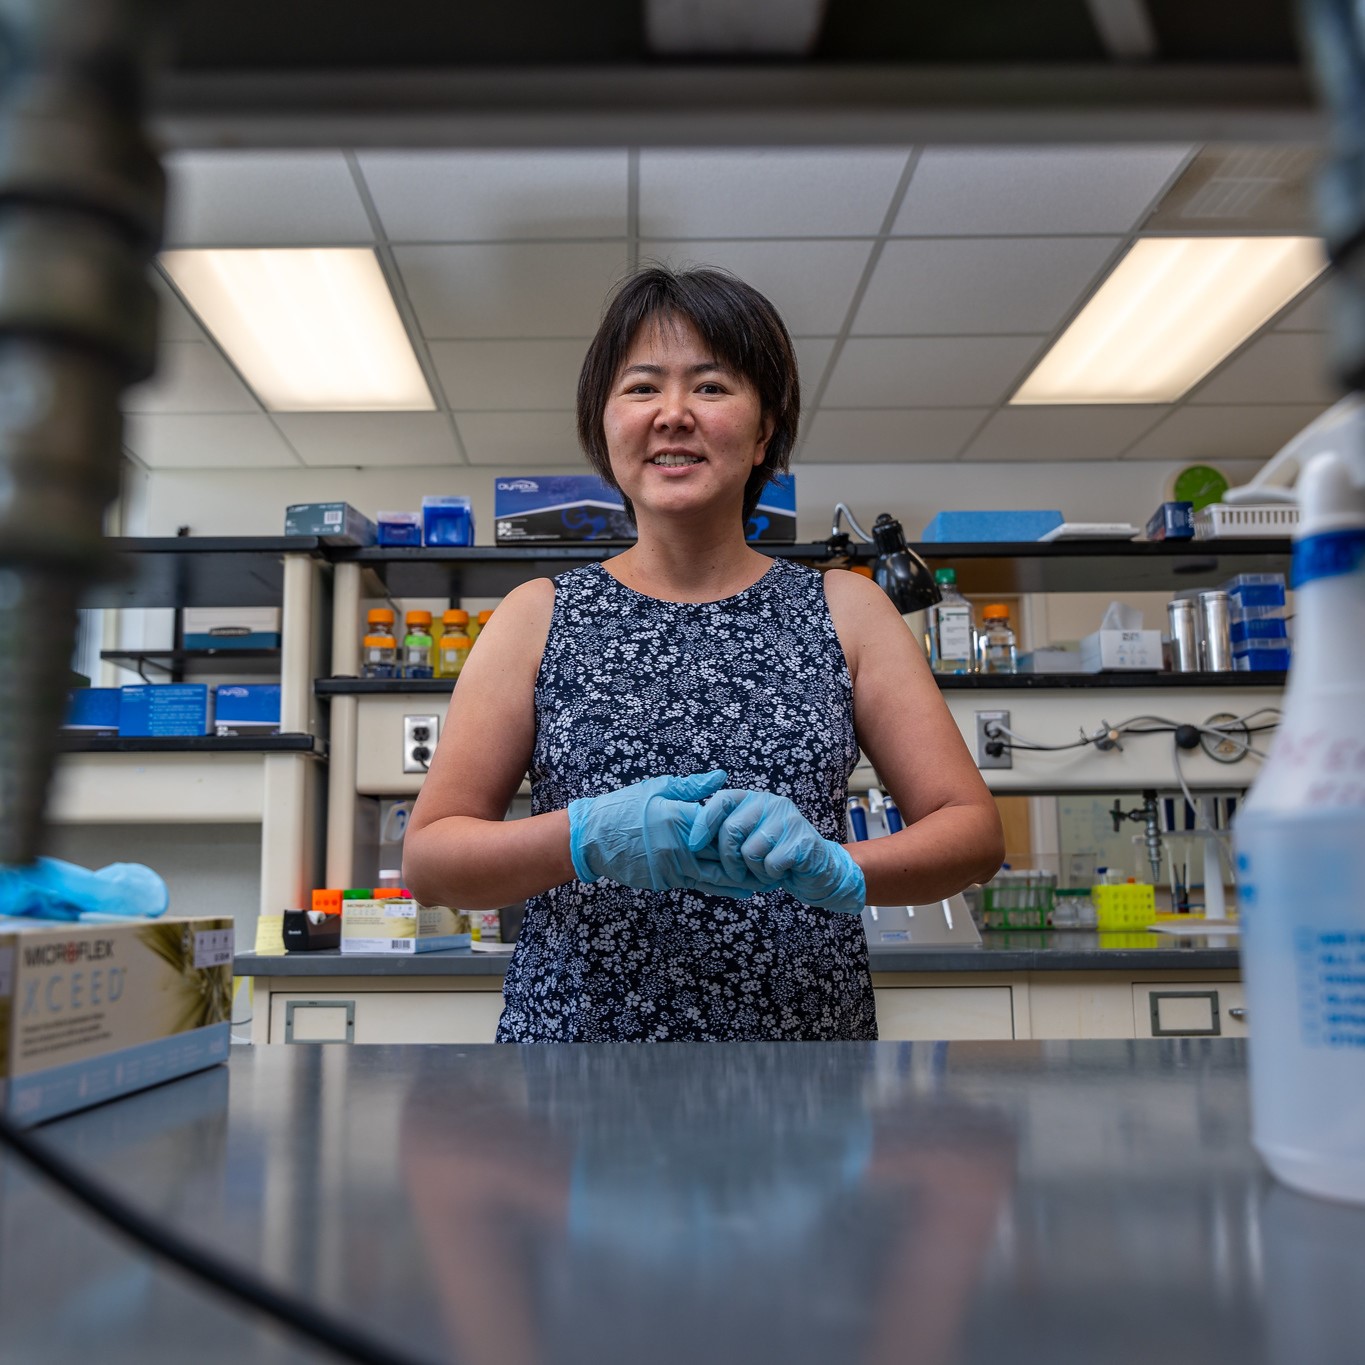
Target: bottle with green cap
point(952, 646)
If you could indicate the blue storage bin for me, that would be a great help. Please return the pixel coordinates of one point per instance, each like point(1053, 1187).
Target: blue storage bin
point(1267, 628)
point(966, 527)
point(1256, 590)
point(400, 528)
point(1260, 660)
point(447, 521)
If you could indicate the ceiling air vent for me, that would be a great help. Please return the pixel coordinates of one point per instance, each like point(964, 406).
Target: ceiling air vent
point(1237, 189)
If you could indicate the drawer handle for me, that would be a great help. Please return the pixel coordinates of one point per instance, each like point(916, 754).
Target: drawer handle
point(1237, 1012)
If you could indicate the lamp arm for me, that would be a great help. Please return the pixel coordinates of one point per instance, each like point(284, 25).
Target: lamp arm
point(841, 509)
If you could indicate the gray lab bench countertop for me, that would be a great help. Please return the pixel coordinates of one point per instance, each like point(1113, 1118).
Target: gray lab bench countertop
point(1055, 950)
point(966, 1203)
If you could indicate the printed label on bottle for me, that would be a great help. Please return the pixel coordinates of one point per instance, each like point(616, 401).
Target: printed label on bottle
point(954, 632)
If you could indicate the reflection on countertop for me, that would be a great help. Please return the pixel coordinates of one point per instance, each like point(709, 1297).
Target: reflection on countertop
point(923, 1203)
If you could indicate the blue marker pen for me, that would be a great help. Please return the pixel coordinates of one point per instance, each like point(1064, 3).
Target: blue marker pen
point(892, 815)
point(857, 819)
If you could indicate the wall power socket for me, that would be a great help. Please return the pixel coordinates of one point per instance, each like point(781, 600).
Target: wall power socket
point(420, 734)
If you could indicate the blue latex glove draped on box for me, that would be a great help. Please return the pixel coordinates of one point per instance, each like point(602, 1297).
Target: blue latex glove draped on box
point(764, 837)
point(52, 889)
point(638, 836)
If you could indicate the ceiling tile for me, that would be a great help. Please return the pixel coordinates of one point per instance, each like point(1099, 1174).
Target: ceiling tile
point(1280, 367)
point(510, 290)
point(922, 372)
point(1311, 314)
point(464, 196)
point(241, 441)
point(263, 199)
point(520, 440)
point(1232, 433)
point(767, 192)
point(888, 436)
point(368, 440)
point(499, 375)
point(1062, 433)
point(811, 284)
point(191, 376)
point(1016, 190)
point(812, 355)
point(174, 322)
point(1026, 284)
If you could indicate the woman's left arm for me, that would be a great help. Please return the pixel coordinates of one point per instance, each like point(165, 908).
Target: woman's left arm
point(952, 835)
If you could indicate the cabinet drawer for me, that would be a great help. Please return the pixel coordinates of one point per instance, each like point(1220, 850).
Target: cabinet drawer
point(922, 1013)
point(1189, 1009)
point(385, 1016)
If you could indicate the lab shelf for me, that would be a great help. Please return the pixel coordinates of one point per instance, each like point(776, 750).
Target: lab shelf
point(191, 744)
point(369, 687)
point(1000, 567)
point(177, 662)
point(197, 571)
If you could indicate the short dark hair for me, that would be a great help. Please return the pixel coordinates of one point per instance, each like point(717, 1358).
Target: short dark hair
point(741, 329)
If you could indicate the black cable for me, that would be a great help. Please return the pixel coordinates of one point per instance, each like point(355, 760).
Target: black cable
point(290, 1312)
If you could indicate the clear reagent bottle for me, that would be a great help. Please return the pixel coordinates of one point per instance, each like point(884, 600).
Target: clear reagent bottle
point(996, 648)
point(951, 636)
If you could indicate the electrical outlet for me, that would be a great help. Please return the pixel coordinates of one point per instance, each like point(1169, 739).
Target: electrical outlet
point(419, 742)
point(984, 759)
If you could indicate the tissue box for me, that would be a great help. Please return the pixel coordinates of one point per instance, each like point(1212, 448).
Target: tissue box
point(338, 523)
point(152, 710)
point(966, 527)
point(563, 509)
point(231, 628)
point(397, 924)
point(90, 1012)
point(94, 710)
point(247, 709)
point(1109, 651)
point(1172, 521)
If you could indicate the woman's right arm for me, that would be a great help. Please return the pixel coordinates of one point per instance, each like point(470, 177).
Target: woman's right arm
point(459, 849)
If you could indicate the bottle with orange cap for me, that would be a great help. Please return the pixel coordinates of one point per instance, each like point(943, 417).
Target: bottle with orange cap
point(997, 651)
point(479, 622)
point(379, 652)
point(417, 645)
point(452, 649)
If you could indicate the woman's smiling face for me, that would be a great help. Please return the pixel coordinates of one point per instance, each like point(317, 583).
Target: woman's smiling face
point(684, 432)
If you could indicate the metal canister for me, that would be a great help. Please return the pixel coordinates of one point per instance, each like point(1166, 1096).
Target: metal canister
point(1216, 619)
point(1184, 635)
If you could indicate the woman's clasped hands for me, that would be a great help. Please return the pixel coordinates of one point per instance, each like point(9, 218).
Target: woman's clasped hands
point(657, 834)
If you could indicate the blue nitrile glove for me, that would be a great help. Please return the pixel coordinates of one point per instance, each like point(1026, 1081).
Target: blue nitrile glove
point(766, 836)
point(637, 835)
point(52, 889)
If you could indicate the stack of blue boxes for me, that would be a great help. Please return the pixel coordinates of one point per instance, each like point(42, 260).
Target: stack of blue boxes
point(163, 710)
point(1260, 632)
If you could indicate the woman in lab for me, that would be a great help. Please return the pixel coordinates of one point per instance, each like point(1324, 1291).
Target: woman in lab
point(689, 713)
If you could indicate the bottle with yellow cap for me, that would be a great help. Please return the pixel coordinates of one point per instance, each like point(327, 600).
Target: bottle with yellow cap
point(417, 645)
point(997, 651)
point(476, 625)
point(379, 652)
point(452, 649)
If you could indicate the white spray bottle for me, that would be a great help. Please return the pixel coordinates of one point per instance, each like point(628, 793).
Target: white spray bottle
point(1300, 842)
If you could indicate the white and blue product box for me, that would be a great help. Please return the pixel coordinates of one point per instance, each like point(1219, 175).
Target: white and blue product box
point(774, 519)
point(231, 628)
point(558, 509)
point(247, 709)
point(93, 710)
point(89, 1012)
point(156, 710)
point(338, 523)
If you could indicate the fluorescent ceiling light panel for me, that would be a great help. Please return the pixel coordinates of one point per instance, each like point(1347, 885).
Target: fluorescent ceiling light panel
point(310, 329)
point(1171, 310)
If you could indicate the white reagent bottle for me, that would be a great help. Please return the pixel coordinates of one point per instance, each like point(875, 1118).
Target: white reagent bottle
point(1300, 841)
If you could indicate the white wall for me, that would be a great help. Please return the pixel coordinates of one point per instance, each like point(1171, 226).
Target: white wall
point(252, 501)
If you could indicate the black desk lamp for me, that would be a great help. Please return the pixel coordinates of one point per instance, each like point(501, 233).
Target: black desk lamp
point(898, 571)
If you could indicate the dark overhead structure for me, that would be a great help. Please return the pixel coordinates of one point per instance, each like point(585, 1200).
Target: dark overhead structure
point(80, 193)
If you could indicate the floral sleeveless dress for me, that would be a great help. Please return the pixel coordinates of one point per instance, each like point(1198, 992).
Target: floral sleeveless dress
point(632, 687)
